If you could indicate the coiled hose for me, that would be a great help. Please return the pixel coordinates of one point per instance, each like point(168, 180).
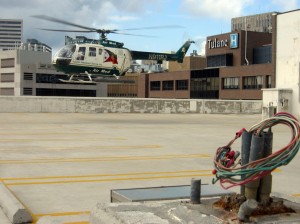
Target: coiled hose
point(228, 169)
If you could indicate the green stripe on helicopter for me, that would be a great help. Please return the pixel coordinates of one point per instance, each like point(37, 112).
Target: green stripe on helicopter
point(93, 70)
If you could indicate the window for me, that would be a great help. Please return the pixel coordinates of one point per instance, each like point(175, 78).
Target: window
point(269, 81)
point(100, 51)
point(28, 76)
point(27, 91)
point(262, 55)
point(92, 51)
point(252, 82)
point(182, 84)
point(168, 85)
point(66, 51)
point(204, 84)
point(8, 63)
point(231, 83)
point(155, 85)
point(7, 91)
point(7, 77)
point(219, 60)
point(81, 53)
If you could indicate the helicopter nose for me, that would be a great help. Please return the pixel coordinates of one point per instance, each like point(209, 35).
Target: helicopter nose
point(63, 61)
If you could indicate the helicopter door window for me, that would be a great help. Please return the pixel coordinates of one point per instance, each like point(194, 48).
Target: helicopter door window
point(81, 53)
point(92, 52)
point(100, 51)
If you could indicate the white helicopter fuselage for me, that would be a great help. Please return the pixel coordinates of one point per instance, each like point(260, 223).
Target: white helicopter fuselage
point(94, 59)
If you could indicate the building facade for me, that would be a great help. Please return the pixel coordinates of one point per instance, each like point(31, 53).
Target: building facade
point(257, 23)
point(35, 45)
point(30, 73)
point(286, 95)
point(244, 59)
point(176, 83)
point(10, 33)
point(237, 66)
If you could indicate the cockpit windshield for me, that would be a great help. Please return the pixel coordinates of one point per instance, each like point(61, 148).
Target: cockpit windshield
point(67, 51)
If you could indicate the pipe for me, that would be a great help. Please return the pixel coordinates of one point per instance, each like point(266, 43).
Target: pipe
point(256, 152)
point(265, 187)
point(246, 209)
point(246, 39)
point(196, 191)
point(245, 150)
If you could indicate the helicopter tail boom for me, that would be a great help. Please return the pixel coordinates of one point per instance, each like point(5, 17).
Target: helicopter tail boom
point(178, 56)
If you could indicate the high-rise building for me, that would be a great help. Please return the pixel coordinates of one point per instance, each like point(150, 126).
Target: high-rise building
point(257, 23)
point(11, 31)
point(28, 72)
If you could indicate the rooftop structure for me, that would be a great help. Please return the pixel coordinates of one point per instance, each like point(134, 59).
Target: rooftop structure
point(10, 33)
point(258, 23)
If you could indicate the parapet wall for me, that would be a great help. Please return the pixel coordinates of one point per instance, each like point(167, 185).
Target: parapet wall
point(32, 104)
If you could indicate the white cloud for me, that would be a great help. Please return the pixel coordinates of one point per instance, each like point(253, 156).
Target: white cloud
point(285, 5)
point(123, 18)
point(219, 9)
point(200, 42)
point(90, 13)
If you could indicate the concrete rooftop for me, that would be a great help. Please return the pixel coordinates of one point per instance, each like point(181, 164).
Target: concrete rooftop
point(62, 165)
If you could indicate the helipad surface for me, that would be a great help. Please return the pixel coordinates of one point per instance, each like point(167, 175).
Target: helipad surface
point(62, 165)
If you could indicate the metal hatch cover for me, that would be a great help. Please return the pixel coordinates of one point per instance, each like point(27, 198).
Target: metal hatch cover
point(164, 193)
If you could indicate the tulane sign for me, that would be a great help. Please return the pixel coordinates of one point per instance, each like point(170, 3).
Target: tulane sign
point(216, 43)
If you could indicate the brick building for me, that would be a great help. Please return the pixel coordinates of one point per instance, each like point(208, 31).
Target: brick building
point(245, 63)
point(237, 66)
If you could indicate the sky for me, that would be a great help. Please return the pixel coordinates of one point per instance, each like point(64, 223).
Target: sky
point(197, 19)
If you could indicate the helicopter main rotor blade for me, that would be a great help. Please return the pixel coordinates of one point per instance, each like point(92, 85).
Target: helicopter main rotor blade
point(74, 31)
point(52, 19)
point(102, 32)
point(133, 34)
point(156, 27)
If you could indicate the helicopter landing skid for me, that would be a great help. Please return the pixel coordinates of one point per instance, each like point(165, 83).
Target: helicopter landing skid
point(82, 78)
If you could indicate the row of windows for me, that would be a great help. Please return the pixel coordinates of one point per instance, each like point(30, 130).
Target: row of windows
point(205, 84)
point(9, 41)
point(8, 46)
point(5, 30)
point(10, 38)
point(169, 85)
point(212, 84)
point(4, 26)
point(10, 22)
point(250, 82)
point(212, 72)
point(257, 22)
point(10, 34)
point(65, 92)
point(122, 95)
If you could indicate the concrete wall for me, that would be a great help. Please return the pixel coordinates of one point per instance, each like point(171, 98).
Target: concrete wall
point(288, 56)
point(276, 100)
point(11, 104)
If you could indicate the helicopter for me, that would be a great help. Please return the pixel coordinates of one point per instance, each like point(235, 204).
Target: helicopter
point(86, 60)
